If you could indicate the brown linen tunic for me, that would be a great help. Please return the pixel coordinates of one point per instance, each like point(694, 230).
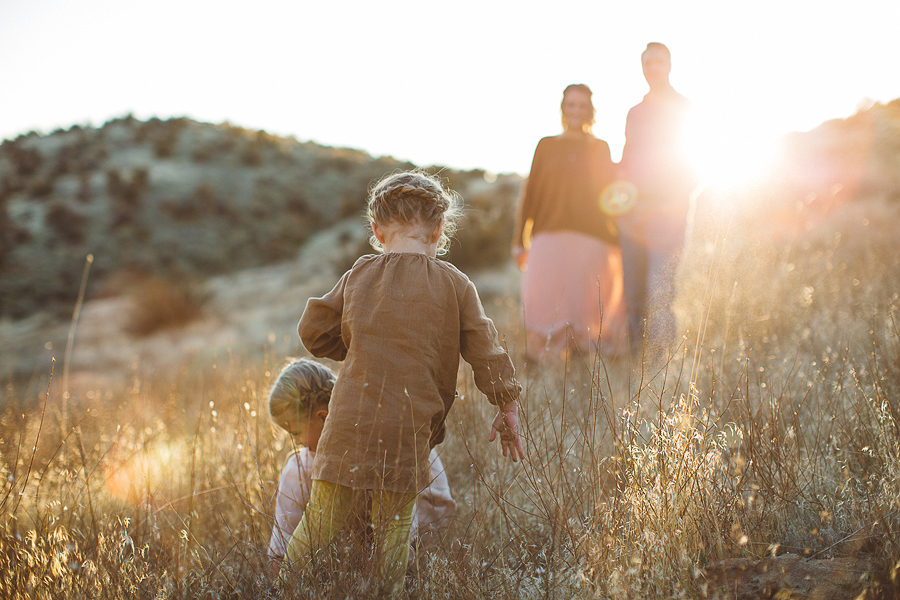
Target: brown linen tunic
point(401, 321)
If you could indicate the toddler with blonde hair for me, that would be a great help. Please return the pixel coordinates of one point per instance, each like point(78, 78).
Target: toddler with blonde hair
point(400, 321)
point(298, 403)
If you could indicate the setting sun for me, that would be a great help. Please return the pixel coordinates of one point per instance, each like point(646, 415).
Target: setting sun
point(728, 155)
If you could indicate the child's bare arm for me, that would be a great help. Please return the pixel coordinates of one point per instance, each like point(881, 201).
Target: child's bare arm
point(506, 424)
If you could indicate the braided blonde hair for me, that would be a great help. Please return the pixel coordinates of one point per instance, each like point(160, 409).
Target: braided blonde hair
point(414, 197)
point(302, 385)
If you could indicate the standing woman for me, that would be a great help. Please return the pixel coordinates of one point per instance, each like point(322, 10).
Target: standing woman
point(566, 246)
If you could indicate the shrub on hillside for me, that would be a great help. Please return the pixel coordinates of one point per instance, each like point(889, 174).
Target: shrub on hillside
point(93, 157)
point(208, 201)
point(26, 161)
point(84, 187)
point(158, 304)
point(485, 230)
point(252, 155)
point(65, 223)
point(203, 202)
point(163, 135)
point(126, 193)
point(67, 159)
point(11, 235)
point(204, 152)
point(353, 204)
point(41, 187)
point(180, 210)
point(127, 190)
point(254, 152)
point(9, 185)
point(114, 183)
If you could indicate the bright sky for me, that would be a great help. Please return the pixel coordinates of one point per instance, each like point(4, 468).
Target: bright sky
point(462, 83)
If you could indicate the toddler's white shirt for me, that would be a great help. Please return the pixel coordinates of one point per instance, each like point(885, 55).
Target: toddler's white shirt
point(433, 511)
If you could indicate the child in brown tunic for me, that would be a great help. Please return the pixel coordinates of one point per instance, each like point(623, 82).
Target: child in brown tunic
point(400, 320)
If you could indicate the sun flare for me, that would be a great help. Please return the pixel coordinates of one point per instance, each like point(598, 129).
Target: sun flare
point(138, 475)
point(728, 155)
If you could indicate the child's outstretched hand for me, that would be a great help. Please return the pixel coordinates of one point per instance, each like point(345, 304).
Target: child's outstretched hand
point(506, 424)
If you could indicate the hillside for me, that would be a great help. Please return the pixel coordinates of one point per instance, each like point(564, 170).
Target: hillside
point(210, 236)
point(852, 158)
point(185, 200)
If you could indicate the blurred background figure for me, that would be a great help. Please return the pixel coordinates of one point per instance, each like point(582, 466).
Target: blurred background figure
point(564, 243)
point(652, 233)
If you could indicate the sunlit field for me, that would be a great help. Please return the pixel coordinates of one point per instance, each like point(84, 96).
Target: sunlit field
point(774, 429)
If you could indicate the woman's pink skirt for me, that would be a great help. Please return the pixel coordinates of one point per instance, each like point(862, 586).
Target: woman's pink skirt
point(568, 277)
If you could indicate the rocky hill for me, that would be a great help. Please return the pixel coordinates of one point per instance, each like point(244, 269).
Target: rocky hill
point(183, 200)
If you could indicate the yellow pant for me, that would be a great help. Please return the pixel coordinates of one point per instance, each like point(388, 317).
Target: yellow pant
point(326, 513)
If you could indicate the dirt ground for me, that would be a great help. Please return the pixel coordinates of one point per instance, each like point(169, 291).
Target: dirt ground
point(789, 576)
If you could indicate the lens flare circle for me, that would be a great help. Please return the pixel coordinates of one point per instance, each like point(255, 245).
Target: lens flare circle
point(618, 197)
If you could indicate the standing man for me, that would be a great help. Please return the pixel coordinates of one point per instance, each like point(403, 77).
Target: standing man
point(652, 233)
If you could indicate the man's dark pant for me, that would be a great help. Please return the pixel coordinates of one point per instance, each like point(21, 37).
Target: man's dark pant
point(651, 250)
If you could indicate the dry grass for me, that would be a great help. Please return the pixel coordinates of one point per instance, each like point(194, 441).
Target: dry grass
point(774, 428)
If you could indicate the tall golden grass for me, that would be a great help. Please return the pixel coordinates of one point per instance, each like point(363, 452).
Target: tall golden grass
point(774, 428)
